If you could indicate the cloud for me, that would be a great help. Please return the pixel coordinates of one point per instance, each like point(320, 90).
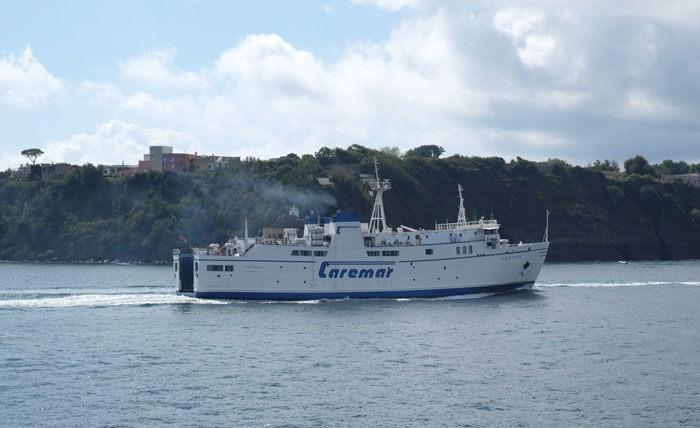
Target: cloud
point(390, 5)
point(642, 104)
point(480, 78)
point(157, 69)
point(25, 83)
point(266, 62)
point(11, 160)
point(115, 142)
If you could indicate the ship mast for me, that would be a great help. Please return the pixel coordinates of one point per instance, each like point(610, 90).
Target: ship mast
point(462, 216)
point(378, 223)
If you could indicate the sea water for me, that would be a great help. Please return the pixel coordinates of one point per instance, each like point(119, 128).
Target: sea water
point(604, 344)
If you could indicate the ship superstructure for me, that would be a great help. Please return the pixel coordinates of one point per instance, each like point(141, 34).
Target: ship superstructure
point(340, 257)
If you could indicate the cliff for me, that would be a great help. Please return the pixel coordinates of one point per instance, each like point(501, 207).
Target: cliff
point(594, 215)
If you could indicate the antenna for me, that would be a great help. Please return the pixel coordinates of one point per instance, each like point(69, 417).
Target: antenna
point(378, 222)
point(246, 234)
point(462, 216)
point(546, 229)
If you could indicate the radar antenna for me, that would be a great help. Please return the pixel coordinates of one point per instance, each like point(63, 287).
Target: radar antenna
point(378, 223)
point(462, 216)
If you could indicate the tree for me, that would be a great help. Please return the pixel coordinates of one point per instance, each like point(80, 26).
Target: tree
point(393, 151)
point(32, 154)
point(428, 151)
point(605, 165)
point(326, 155)
point(638, 165)
point(675, 168)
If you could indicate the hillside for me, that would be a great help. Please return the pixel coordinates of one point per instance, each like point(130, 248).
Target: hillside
point(594, 215)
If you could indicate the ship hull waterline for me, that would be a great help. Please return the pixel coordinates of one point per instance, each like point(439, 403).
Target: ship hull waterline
point(475, 292)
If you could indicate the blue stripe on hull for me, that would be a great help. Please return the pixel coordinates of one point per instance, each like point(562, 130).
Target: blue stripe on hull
point(441, 292)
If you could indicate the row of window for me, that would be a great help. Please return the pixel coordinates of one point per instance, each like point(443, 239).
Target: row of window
point(309, 253)
point(428, 252)
point(464, 250)
point(220, 268)
point(460, 250)
point(383, 253)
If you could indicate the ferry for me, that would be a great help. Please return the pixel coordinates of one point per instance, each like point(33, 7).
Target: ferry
point(341, 257)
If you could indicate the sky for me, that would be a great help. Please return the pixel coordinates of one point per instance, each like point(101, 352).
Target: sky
point(100, 81)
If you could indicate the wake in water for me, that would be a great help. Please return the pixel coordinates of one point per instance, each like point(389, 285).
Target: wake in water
point(66, 298)
point(58, 297)
point(541, 285)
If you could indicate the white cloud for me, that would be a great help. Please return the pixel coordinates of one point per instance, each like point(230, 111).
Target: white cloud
point(266, 62)
point(115, 142)
point(517, 23)
point(11, 160)
point(478, 78)
point(157, 69)
point(645, 105)
point(563, 100)
point(527, 29)
point(525, 138)
point(25, 83)
point(391, 5)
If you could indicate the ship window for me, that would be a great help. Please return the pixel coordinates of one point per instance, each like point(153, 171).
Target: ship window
point(429, 252)
point(196, 266)
point(390, 253)
point(464, 250)
point(295, 252)
point(457, 250)
point(229, 268)
point(306, 253)
point(215, 268)
point(175, 266)
point(470, 249)
point(373, 253)
point(320, 253)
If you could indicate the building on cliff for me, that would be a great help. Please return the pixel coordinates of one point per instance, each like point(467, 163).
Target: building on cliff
point(692, 179)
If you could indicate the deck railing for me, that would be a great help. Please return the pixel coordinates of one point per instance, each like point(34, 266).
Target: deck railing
point(467, 225)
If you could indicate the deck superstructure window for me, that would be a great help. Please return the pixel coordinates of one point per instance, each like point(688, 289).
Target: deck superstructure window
point(196, 266)
point(373, 253)
point(229, 268)
point(470, 249)
point(457, 250)
point(429, 252)
point(390, 253)
point(320, 253)
point(215, 268)
point(464, 250)
point(302, 252)
point(175, 266)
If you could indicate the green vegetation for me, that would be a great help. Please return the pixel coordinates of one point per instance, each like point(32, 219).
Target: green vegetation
point(597, 212)
point(32, 154)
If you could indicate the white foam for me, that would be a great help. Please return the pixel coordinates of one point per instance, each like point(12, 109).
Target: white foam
point(466, 296)
point(93, 300)
point(79, 291)
point(541, 285)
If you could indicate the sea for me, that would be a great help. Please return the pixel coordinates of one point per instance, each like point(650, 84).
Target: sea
point(592, 344)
